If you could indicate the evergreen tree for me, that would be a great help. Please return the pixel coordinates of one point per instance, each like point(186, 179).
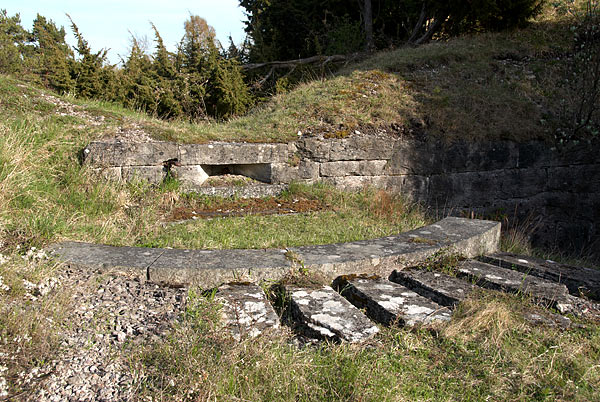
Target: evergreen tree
point(167, 80)
point(228, 94)
point(137, 80)
point(13, 43)
point(55, 57)
point(87, 71)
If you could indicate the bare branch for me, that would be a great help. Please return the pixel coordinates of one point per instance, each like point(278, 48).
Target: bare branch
point(294, 63)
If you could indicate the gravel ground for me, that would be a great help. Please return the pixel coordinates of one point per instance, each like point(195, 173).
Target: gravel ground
point(111, 314)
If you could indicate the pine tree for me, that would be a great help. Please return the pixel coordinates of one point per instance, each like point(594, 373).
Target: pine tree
point(87, 71)
point(55, 57)
point(167, 80)
point(13, 43)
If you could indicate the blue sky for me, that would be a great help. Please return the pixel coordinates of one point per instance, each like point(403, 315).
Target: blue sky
point(106, 24)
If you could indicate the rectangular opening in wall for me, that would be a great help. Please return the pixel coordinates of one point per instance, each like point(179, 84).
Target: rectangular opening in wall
point(259, 171)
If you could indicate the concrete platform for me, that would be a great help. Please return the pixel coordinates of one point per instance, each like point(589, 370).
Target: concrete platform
point(578, 280)
point(493, 277)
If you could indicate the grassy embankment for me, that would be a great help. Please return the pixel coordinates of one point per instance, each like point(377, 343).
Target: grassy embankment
point(490, 86)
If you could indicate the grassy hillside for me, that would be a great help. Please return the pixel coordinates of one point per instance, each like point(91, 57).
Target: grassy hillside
point(504, 85)
point(510, 85)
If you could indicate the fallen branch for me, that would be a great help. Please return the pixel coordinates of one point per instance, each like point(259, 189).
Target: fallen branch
point(294, 63)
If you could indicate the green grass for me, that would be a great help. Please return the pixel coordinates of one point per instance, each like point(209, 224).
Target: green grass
point(462, 89)
point(354, 216)
point(486, 353)
point(47, 196)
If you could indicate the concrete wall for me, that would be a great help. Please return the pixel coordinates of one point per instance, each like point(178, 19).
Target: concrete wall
point(558, 189)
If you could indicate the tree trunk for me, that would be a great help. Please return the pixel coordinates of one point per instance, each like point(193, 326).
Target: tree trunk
point(418, 25)
point(368, 15)
point(433, 27)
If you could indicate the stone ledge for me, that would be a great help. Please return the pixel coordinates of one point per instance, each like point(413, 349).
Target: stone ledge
point(211, 268)
point(116, 153)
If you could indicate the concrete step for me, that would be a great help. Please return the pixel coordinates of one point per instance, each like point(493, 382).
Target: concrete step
point(390, 303)
point(578, 280)
point(449, 291)
point(248, 191)
point(493, 277)
point(246, 311)
point(443, 289)
point(323, 313)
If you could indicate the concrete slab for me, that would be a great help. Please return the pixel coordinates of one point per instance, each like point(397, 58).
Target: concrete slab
point(211, 268)
point(389, 303)
point(381, 256)
point(441, 288)
point(507, 280)
point(133, 260)
point(323, 313)
point(246, 311)
point(256, 191)
point(578, 280)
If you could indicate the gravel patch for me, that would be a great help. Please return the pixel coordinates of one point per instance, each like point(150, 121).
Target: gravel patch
point(111, 314)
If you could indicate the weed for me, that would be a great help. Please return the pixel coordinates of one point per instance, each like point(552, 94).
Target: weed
point(444, 260)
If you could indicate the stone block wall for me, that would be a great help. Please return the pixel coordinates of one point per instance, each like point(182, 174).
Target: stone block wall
point(557, 189)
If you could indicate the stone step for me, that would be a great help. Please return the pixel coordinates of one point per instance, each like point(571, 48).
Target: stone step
point(248, 191)
point(246, 311)
point(443, 289)
point(323, 313)
point(389, 303)
point(507, 280)
point(449, 291)
point(578, 280)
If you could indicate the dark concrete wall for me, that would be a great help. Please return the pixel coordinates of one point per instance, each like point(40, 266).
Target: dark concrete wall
point(555, 190)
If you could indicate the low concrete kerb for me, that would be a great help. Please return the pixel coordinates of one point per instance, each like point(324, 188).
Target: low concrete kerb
point(211, 268)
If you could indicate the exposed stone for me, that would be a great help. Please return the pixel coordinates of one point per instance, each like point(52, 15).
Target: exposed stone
point(111, 314)
point(116, 153)
point(246, 310)
point(191, 176)
point(441, 288)
point(547, 319)
point(493, 277)
point(224, 153)
point(362, 147)
point(151, 174)
point(580, 307)
point(315, 149)
point(284, 173)
point(211, 268)
point(353, 168)
point(257, 191)
point(560, 185)
point(577, 279)
point(110, 173)
point(323, 314)
point(390, 303)
point(357, 182)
